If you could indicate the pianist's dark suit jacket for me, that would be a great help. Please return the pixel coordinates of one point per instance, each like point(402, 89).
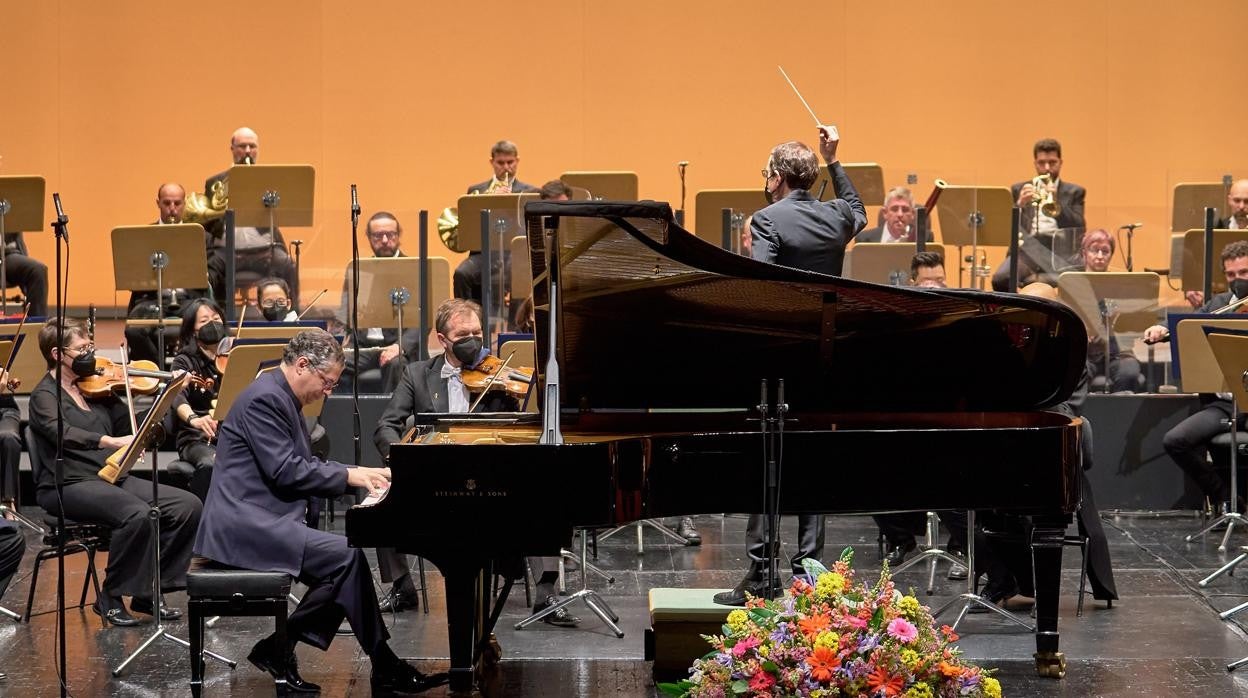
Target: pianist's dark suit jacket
point(423, 389)
point(265, 473)
point(802, 232)
point(1070, 198)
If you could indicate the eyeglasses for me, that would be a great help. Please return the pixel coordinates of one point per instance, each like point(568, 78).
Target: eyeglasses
point(325, 383)
point(766, 173)
point(84, 349)
point(275, 304)
point(382, 235)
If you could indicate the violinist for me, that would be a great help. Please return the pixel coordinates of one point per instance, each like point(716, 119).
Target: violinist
point(196, 432)
point(1188, 441)
point(10, 445)
point(93, 431)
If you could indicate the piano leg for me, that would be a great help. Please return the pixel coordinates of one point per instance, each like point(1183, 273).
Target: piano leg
point(1046, 551)
point(464, 612)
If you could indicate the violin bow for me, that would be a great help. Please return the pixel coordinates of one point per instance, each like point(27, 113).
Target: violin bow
point(312, 303)
point(493, 378)
point(8, 363)
point(125, 376)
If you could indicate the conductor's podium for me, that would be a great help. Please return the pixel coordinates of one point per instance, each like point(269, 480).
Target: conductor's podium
point(678, 620)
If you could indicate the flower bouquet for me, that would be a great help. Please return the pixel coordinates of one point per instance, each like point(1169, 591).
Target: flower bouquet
point(835, 638)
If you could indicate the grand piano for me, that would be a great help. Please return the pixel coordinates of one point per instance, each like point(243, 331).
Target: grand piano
point(899, 399)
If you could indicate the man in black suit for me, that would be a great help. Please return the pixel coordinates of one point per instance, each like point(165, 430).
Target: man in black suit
point(1188, 441)
point(1047, 153)
point(898, 223)
point(257, 250)
point(254, 516)
point(799, 231)
point(505, 159)
point(379, 347)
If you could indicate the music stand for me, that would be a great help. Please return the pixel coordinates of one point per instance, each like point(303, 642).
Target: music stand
point(390, 291)
point(1194, 257)
point(21, 210)
point(882, 262)
point(608, 186)
point(978, 217)
point(502, 216)
point(520, 282)
point(1190, 201)
point(867, 177)
point(156, 257)
point(709, 221)
point(1111, 301)
point(258, 193)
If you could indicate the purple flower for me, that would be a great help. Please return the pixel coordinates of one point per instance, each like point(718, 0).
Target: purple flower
point(868, 643)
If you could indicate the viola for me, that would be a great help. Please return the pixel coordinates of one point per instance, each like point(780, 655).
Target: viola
point(110, 378)
point(491, 374)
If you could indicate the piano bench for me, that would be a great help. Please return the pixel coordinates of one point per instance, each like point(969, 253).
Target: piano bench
point(218, 590)
point(678, 620)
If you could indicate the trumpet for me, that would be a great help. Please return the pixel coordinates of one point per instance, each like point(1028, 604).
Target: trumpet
point(1043, 197)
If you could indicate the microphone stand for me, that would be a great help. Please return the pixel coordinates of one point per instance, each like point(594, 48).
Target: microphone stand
point(355, 324)
point(61, 228)
point(680, 215)
point(1130, 228)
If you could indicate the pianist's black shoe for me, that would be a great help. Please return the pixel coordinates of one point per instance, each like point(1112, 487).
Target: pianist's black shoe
point(113, 610)
point(560, 618)
point(400, 598)
point(404, 678)
point(688, 532)
point(897, 551)
point(266, 656)
point(754, 583)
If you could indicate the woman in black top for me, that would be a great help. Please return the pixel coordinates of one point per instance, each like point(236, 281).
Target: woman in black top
point(93, 431)
point(194, 429)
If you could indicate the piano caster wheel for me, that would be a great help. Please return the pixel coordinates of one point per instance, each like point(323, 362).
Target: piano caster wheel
point(1051, 665)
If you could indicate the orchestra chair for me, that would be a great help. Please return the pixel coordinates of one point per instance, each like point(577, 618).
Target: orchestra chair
point(79, 537)
point(213, 589)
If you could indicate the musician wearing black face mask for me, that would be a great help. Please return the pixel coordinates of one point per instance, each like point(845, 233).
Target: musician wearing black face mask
point(94, 430)
point(1188, 441)
point(436, 386)
point(273, 299)
point(195, 431)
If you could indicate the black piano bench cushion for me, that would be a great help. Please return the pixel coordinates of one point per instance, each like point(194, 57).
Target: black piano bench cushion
point(228, 583)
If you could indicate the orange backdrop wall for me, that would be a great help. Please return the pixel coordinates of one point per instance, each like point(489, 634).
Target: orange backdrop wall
point(108, 100)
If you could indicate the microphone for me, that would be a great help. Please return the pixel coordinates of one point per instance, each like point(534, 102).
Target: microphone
point(61, 218)
point(1131, 226)
point(355, 202)
point(683, 163)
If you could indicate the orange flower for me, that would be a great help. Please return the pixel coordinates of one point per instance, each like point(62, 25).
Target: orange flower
point(822, 661)
point(949, 671)
point(814, 624)
point(880, 681)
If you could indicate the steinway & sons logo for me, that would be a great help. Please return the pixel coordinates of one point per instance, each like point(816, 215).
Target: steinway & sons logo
point(470, 489)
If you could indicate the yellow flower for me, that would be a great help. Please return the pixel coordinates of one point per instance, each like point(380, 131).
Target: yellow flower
point(737, 620)
point(909, 657)
point(827, 639)
point(765, 650)
point(909, 606)
point(829, 584)
point(992, 687)
point(919, 690)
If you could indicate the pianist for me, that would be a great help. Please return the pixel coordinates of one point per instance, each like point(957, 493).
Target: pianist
point(435, 386)
point(254, 516)
point(798, 231)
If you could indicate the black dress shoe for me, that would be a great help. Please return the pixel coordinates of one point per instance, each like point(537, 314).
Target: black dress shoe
point(404, 678)
point(897, 551)
point(114, 611)
point(752, 584)
point(688, 532)
point(560, 618)
point(144, 606)
point(266, 657)
point(399, 600)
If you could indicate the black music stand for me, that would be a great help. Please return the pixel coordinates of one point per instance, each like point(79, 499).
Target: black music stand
point(258, 194)
point(21, 210)
point(487, 223)
point(1111, 301)
point(975, 216)
point(157, 257)
point(721, 215)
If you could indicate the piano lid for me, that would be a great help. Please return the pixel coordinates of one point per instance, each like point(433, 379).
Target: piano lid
point(652, 317)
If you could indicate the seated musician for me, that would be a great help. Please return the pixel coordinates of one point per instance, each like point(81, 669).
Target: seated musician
point(254, 516)
point(1237, 205)
point(797, 230)
point(26, 273)
point(272, 297)
point(10, 446)
point(257, 250)
point(1125, 372)
point(1047, 157)
point(1188, 441)
point(142, 341)
point(927, 270)
point(202, 330)
point(898, 224)
point(94, 430)
point(378, 347)
point(436, 386)
point(12, 544)
point(504, 159)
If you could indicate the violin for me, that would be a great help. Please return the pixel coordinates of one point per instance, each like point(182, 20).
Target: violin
point(110, 378)
point(492, 373)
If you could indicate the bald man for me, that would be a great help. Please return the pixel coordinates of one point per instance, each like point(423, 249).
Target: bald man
point(1236, 207)
point(256, 250)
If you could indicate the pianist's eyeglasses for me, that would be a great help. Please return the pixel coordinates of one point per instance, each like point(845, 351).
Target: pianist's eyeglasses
point(326, 384)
